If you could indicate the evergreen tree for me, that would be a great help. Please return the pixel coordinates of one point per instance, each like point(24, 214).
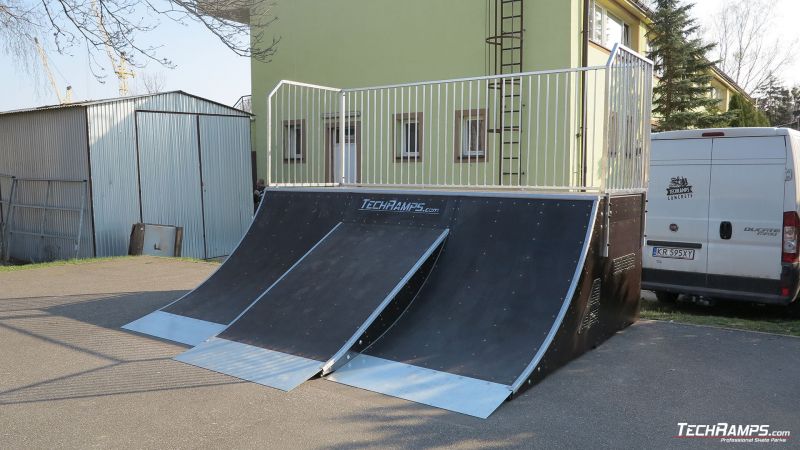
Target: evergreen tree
point(746, 115)
point(682, 99)
point(777, 101)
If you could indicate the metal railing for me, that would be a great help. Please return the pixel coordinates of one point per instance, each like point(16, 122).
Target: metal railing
point(583, 129)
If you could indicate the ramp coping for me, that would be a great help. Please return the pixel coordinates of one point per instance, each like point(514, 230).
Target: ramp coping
point(564, 306)
point(331, 363)
point(445, 192)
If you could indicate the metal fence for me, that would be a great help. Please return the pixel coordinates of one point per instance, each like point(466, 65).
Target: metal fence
point(44, 218)
point(6, 183)
point(583, 129)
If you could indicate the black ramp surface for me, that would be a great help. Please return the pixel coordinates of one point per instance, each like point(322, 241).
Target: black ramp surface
point(325, 299)
point(495, 291)
point(288, 224)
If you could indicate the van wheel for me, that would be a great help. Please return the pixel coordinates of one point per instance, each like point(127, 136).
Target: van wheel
point(666, 297)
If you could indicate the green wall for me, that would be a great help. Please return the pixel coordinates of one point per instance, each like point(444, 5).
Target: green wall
point(352, 43)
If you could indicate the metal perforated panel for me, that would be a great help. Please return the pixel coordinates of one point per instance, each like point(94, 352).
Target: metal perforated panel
point(591, 315)
point(623, 263)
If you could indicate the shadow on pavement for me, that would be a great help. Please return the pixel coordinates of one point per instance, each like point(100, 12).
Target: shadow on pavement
point(87, 327)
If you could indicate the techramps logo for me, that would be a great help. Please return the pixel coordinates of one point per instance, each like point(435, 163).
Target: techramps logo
point(679, 188)
point(733, 433)
point(397, 206)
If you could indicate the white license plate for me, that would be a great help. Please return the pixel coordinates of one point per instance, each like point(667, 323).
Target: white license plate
point(675, 253)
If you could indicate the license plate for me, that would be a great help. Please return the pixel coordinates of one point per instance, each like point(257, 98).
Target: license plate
point(674, 253)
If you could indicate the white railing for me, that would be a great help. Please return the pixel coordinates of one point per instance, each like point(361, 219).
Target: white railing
point(584, 129)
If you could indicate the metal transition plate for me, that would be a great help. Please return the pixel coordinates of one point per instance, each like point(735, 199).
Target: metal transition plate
point(250, 363)
point(172, 327)
point(456, 393)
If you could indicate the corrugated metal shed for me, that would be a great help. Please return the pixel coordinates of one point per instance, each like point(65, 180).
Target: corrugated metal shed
point(101, 141)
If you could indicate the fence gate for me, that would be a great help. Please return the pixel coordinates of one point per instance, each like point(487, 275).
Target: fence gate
point(41, 215)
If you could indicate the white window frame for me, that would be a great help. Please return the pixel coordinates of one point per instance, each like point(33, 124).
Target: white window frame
point(294, 151)
point(464, 120)
point(599, 34)
point(401, 150)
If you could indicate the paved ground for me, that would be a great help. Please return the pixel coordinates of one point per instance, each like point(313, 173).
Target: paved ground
point(70, 378)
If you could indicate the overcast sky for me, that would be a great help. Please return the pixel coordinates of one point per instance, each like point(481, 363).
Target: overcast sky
point(206, 68)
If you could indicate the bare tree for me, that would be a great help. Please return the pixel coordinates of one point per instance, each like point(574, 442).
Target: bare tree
point(153, 82)
point(114, 27)
point(745, 49)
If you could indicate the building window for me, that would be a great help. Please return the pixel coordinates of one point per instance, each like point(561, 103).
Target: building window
point(607, 29)
point(408, 136)
point(470, 134)
point(294, 140)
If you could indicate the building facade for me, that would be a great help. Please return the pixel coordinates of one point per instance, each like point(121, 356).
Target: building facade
point(351, 43)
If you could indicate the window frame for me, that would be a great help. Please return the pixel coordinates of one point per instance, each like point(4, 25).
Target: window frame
point(625, 39)
point(400, 120)
point(288, 125)
point(471, 114)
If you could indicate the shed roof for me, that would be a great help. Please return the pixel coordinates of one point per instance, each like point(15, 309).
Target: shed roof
point(119, 99)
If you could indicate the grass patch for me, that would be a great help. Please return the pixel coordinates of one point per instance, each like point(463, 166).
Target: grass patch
point(740, 316)
point(75, 262)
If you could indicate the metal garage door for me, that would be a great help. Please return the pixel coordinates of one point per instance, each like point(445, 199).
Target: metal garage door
point(227, 195)
point(169, 175)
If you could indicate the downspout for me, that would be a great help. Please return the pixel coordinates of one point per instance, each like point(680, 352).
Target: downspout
point(584, 93)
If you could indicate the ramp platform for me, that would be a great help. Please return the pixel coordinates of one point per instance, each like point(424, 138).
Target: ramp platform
point(313, 316)
point(457, 300)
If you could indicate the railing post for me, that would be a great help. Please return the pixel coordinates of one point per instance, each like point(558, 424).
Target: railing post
point(342, 134)
point(269, 137)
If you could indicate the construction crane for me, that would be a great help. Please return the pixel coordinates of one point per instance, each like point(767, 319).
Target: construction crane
point(120, 66)
point(67, 98)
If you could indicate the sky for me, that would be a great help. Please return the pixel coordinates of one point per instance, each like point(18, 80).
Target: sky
point(204, 66)
point(207, 68)
point(784, 17)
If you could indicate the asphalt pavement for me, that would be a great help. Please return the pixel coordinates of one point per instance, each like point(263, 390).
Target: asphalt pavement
point(71, 378)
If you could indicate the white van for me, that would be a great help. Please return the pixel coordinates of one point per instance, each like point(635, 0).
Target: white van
point(722, 215)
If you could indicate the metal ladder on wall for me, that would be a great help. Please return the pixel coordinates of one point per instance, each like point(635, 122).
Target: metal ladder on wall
point(507, 42)
point(14, 205)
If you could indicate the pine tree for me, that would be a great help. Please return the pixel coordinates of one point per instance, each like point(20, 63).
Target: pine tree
point(682, 99)
point(746, 114)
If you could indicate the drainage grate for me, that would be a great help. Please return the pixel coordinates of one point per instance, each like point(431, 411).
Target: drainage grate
point(590, 316)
